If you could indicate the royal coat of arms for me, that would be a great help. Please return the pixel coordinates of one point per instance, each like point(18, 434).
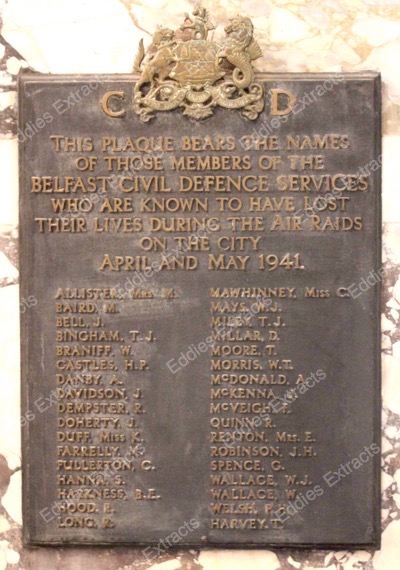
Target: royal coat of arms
point(182, 68)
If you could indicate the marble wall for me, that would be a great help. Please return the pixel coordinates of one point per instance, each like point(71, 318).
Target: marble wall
point(101, 36)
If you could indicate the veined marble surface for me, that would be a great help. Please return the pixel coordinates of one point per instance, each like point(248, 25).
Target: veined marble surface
point(101, 36)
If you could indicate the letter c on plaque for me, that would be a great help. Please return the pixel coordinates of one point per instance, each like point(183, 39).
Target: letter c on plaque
point(342, 292)
point(105, 103)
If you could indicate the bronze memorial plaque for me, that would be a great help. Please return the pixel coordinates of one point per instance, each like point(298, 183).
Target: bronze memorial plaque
point(200, 263)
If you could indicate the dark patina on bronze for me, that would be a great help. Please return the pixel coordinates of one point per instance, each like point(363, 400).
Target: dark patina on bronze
point(136, 363)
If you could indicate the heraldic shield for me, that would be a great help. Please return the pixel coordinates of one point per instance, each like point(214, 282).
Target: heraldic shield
point(196, 63)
